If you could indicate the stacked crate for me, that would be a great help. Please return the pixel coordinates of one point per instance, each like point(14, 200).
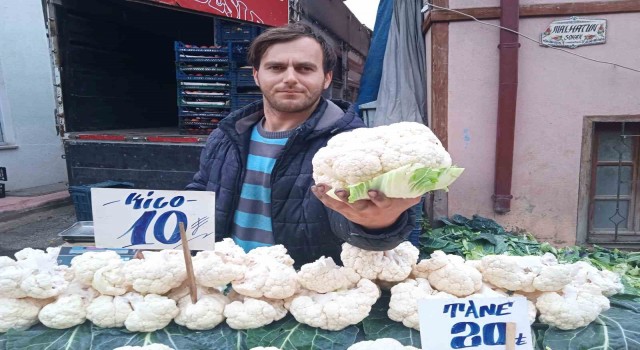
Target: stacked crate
point(238, 36)
point(203, 76)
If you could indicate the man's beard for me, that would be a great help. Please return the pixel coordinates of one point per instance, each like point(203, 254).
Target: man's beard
point(292, 106)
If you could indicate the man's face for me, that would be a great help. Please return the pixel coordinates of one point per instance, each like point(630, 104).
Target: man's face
point(291, 77)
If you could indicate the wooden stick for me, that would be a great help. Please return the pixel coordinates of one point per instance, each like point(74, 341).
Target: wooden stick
point(191, 278)
point(511, 336)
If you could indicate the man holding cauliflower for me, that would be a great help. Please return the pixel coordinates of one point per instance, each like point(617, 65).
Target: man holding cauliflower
point(259, 160)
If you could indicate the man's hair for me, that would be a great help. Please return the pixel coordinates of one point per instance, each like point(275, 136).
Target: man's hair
point(290, 32)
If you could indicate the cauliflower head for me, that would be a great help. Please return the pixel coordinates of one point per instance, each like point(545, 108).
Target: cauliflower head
point(67, 311)
point(449, 274)
point(157, 273)
point(206, 313)
point(335, 310)
point(573, 308)
point(108, 311)
point(150, 313)
point(392, 265)
point(19, 314)
point(361, 154)
point(11, 276)
point(403, 305)
point(211, 269)
point(323, 276)
point(70, 308)
point(609, 282)
point(48, 282)
point(267, 277)
point(85, 266)
point(111, 279)
point(249, 313)
point(277, 252)
point(512, 273)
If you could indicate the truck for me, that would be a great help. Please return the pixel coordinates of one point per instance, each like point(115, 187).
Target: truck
point(114, 75)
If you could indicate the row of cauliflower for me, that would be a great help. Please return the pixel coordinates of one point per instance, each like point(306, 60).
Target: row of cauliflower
point(146, 294)
point(378, 344)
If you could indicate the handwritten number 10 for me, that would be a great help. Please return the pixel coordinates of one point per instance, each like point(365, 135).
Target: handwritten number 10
point(139, 228)
point(488, 334)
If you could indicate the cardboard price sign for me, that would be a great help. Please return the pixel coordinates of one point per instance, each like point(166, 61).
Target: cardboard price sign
point(479, 323)
point(149, 219)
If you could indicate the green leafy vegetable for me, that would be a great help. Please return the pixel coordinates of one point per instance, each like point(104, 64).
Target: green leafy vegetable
point(289, 334)
point(40, 337)
point(175, 336)
point(409, 181)
point(477, 237)
point(3, 341)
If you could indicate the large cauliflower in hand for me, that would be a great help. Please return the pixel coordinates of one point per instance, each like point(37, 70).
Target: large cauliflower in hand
point(402, 160)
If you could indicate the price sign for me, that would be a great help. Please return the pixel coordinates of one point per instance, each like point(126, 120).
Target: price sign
point(479, 323)
point(148, 219)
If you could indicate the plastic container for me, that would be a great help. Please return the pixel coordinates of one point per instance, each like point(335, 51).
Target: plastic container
point(241, 100)
point(226, 31)
point(243, 77)
point(81, 197)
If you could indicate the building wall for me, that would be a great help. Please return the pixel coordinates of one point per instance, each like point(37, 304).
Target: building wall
point(32, 154)
point(556, 91)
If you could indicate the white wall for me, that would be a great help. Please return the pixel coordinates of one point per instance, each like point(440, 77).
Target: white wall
point(33, 152)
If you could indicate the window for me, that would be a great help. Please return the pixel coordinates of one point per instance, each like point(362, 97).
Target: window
point(614, 205)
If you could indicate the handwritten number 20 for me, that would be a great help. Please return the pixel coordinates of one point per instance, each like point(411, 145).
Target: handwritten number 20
point(139, 228)
point(488, 334)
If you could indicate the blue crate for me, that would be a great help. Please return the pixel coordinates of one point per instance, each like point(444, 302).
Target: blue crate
point(243, 77)
point(228, 31)
point(81, 197)
point(186, 113)
point(222, 77)
point(241, 100)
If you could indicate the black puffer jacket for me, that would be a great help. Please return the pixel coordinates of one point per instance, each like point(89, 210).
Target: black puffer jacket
point(300, 221)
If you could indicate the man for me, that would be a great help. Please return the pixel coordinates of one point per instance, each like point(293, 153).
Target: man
point(258, 161)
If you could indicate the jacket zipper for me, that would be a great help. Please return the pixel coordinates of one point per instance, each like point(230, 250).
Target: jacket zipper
point(276, 167)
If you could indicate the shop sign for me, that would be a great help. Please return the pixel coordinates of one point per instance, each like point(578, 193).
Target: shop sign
point(478, 323)
point(149, 219)
point(575, 32)
point(267, 12)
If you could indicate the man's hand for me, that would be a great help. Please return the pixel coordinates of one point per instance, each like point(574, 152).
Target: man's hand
point(374, 213)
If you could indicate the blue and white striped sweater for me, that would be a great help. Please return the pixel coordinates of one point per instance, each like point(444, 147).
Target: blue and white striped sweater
point(252, 226)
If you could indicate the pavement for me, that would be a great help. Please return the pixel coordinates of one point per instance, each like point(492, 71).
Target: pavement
point(33, 218)
point(20, 202)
